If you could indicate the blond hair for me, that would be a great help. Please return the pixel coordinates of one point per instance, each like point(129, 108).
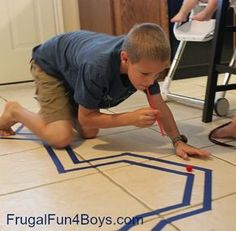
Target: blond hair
point(147, 40)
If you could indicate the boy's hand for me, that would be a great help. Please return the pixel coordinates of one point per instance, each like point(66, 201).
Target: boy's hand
point(144, 117)
point(184, 151)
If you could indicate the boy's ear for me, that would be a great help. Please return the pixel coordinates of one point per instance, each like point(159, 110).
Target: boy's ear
point(124, 56)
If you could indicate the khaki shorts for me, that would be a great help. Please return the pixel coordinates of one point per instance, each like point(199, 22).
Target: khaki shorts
point(52, 96)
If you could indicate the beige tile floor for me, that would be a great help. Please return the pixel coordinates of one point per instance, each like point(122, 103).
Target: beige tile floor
point(123, 175)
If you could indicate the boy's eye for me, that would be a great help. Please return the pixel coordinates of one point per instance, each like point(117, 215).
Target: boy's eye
point(157, 75)
point(145, 74)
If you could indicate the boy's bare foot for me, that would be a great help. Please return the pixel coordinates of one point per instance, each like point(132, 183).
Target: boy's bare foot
point(228, 131)
point(7, 120)
point(7, 132)
point(180, 17)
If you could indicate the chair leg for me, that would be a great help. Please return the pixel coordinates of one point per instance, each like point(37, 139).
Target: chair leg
point(166, 84)
point(226, 77)
point(217, 48)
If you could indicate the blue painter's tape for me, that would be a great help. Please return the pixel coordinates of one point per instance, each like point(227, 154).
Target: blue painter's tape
point(54, 158)
point(123, 158)
point(72, 155)
point(19, 129)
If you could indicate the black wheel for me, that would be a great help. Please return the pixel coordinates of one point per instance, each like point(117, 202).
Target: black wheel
point(221, 107)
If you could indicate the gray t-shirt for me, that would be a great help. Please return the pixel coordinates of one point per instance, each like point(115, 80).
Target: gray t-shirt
point(89, 65)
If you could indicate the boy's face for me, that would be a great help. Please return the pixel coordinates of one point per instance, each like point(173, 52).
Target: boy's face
point(145, 72)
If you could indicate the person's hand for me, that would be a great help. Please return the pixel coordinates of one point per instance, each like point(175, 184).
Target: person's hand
point(184, 150)
point(144, 117)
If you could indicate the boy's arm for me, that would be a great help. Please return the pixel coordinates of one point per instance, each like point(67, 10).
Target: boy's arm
point(143, 117)
point(182, 149)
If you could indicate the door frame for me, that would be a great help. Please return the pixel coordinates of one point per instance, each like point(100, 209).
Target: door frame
point(58, 12)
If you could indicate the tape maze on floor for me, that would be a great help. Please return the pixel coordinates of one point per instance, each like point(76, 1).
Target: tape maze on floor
point(134, 160)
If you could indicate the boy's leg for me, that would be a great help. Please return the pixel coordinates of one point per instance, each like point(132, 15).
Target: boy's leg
point(186, 7)
point(6, 123)
point(54, 123)
point(57, 134)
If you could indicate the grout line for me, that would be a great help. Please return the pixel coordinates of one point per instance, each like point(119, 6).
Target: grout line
point(119, 186)
point(3, 99)
point(198, 204)
point(125, 190)
point(128, 192)
point(134, 197)
point(119, 132)
point(225, 196)
point(182, 209)
point(226, 161)
point(47, 184)
point(22, 151)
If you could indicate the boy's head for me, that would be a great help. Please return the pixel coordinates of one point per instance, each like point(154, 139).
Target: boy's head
point(145, 53)
point(146, 41)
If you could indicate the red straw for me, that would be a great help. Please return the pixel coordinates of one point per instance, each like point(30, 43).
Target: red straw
point(153, 107)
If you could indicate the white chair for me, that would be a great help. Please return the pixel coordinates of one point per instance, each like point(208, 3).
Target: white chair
point(194, 31)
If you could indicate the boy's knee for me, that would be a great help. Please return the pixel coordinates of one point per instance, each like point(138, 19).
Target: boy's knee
point(59, 138)
point(61, 142)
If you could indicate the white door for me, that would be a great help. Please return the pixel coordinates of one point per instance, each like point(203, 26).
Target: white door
point(23, 25)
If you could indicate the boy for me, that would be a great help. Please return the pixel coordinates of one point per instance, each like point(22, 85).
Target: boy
point(84, 71)
point(188, 5)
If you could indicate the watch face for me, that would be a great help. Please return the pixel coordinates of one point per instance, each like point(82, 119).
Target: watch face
point(184, 138)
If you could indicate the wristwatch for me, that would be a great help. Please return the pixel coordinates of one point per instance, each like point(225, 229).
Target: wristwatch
point(182, 138)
